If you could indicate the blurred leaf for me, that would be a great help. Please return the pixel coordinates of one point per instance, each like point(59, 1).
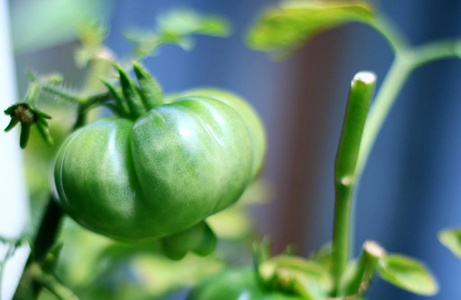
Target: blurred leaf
point(285, 28)
point(408, 274)
point(296, 275)
point(175, 28)
point(92, 35)
point(38, 24)
point(451, 238)
point(324, 255)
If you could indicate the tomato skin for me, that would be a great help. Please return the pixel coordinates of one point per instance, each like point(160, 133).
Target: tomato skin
point(164, 172)
point(238, 284)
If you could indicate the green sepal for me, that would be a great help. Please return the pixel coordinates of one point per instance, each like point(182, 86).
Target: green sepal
point(121, 105)
point(451, 238)
point(130, 94)
point(150, 91)
point(41, 114)
point(13, 122)
point(287, 27)
point(408, 274)
point(42, 127)
point(25, 133)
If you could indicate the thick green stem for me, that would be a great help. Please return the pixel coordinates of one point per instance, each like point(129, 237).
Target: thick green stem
point(48, 230)
point(345, 165)
point(50, 225)
point(51, 283)
point(358, 281)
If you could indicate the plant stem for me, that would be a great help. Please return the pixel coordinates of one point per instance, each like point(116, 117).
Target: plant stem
point(390, 32)
point(48, 230)
point(345, 166)
point(51, 283)
point(396, 77)
point(435, 51)
point(44, 240)
point(57, 92)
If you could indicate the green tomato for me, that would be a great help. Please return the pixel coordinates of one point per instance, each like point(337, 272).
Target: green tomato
point(239, 284)
point(164, 172)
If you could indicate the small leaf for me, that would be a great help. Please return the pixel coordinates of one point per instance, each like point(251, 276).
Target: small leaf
point(408, 274)
point(324, 255)
point(186, 21)
point(92, 35)
point(285, 28)
point(296, 275)
point(451, 238)
point(176, 27)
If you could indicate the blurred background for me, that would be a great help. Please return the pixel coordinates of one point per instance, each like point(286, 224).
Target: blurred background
point(409, 191)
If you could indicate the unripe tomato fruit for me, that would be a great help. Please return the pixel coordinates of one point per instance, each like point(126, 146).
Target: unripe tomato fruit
point(164, 171)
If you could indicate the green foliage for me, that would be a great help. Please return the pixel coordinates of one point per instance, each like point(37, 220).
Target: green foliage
point(296, 275)
point(451, 238)
point(92, 35)
point(175, 28)
point(286, 27)
point(408, 274)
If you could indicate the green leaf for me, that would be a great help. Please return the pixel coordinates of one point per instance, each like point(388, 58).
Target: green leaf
point(451, 238)
point(285, 28)
point(324, 255)
point(176, 27)
point(292, 274)
point(92, 35)
point(408, 274)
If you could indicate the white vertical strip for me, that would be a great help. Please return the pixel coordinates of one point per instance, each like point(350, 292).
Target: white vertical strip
point(14, 209)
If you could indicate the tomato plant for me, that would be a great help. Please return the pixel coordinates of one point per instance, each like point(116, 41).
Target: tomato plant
point(152, 173)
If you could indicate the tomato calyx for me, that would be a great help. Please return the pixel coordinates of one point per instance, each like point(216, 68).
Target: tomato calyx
point(135, 100)
point(27, 116)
